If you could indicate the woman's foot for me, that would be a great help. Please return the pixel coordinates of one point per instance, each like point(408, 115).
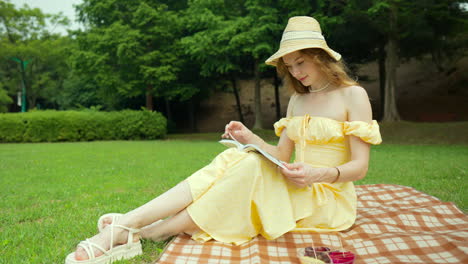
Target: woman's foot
point(107, 219)
point(145, 233)
point(103, 239)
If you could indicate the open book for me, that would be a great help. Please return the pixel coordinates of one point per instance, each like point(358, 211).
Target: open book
point(251, 147)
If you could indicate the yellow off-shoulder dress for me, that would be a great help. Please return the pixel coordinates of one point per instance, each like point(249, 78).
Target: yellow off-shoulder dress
point(240, 195)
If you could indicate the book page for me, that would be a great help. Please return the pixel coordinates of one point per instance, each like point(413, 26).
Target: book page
point(266, 154)
point(249, 147)
point(231, 143)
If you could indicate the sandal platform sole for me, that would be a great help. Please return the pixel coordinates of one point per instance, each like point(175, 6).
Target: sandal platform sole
point(118, 253)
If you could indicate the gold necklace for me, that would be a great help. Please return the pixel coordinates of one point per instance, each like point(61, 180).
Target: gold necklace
point(318, 90)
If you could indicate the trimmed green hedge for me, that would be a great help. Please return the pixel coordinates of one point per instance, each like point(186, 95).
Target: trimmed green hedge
point(52, 126)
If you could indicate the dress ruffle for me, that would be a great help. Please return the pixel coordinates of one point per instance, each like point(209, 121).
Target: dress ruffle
point(369, 133)
point(322, 130)
point(281, 125)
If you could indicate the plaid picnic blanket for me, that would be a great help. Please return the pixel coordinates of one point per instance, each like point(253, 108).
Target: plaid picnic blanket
point(395, 224)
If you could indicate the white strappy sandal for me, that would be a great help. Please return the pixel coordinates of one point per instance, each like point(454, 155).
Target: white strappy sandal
point(100, 222)
point(125, 251)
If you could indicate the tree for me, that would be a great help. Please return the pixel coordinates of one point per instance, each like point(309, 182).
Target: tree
point(256, 41)
point(5, 100)
point(235, 38)
point(414, 28)
point(391, 31)
point(24, 38)
point(128, 48)
point(209, 44)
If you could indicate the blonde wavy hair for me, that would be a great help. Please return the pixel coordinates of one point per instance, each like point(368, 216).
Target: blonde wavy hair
point(335, 71)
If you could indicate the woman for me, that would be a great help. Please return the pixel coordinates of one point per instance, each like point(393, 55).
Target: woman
point(240, 195)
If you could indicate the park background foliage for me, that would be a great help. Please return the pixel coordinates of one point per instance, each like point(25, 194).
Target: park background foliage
point(169, 55)
point(54, 126)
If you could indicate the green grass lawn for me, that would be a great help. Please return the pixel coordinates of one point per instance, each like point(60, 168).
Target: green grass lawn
point(52, 194)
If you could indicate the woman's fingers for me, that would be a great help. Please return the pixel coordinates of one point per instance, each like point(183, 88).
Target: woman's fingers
point(295, 166)
point(232, 125)
point(229, 129)
point(298, 182)
point(292, 174)
point(232, 128)
point(226, 131)
point(238, 131)
point(235, 124)
point(295, 174)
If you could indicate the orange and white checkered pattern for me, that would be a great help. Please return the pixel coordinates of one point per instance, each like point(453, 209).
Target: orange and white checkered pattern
point(395, 225)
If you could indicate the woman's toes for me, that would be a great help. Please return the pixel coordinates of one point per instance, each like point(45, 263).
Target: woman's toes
point(106, 221)
point(99, 240)
point(80, 254)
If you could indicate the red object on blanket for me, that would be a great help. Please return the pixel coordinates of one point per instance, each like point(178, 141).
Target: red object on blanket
point(327, 255)
point(342, 257)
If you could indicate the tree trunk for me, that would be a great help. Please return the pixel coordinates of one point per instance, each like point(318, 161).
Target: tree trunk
point(258, 100)
point(437, 59)
point(391, 64)
point(277, 98)
point(191, 115)
point(381, 80)
point(238, 103)
point(149, 97)
point(168, 109)
point(32, 99)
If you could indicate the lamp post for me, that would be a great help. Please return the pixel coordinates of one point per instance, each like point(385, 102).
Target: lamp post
point(23, 81)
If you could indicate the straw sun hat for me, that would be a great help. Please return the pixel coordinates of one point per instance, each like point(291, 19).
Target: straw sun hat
point(302, 32)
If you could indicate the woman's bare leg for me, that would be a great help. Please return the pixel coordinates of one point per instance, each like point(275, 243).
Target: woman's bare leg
point(161, 230)
point(167, 204)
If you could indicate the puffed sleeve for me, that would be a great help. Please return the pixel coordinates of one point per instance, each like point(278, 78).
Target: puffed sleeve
point(280, 125)
point(369, 133)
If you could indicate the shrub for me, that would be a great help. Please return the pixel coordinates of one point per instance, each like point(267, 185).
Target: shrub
point(52, 126)
point(12, 127)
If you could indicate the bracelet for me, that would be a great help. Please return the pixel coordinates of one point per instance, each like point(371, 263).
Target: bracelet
point(337, 176)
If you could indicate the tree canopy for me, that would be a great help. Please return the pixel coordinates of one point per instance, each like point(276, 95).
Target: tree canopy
point(130, 53)
point(25, 41)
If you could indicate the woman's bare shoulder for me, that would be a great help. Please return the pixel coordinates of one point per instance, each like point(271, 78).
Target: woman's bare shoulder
point(291, 104)
point(357, 103)
point(294, 95)
point(355, 92)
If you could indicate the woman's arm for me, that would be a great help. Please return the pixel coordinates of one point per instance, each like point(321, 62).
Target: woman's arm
point(239, 132)
point(358, 109)
point(282, 151)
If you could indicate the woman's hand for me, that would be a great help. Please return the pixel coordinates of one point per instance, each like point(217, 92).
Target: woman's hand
point(238, 131)
point(302, 174)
